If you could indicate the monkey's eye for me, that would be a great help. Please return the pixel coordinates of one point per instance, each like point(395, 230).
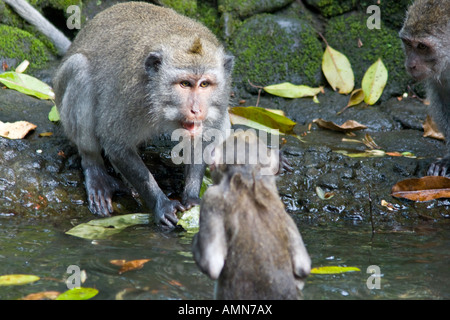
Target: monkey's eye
point(422, 47)
point(204, 84)
point(185, 84)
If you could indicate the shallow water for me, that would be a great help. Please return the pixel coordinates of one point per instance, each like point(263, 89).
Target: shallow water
point(413, 262)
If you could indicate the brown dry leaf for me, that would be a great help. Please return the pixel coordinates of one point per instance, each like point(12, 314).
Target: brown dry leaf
point(423, 189)
point(175, 283)
point(129, 265)
point(347, 126)
point(45, 295)
point(15, 130)
point(431, 130)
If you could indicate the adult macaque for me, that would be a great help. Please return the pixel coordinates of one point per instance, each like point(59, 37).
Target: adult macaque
point(133, 72)
point(246, 240)
point(426, 38)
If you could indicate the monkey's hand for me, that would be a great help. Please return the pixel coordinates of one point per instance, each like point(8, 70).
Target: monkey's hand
point(165, 213)
point(189, 202)
point(100, 188)
point(440, 167)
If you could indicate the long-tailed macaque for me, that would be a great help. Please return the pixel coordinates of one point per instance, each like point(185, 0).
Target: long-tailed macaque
point(133, 72)
point(426, 38)
point(246, 240)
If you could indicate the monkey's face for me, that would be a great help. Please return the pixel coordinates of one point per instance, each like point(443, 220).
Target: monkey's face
point(194, 95)
point(422, 58)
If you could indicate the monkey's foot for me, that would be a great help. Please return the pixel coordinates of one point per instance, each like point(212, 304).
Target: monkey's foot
point(165, 213)
point(440, 168)
point(100, 188)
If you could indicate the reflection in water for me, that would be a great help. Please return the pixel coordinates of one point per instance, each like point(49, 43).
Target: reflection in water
point(414, 263)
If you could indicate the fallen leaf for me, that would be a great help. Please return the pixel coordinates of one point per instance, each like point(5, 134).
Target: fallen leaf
point(356, 97)
point(190, 219)
point(79, 293)
point(45, 134)
point(289, 90)
point(16, 130)
point(347, 126)
point(338, 71)
point(22, 66)
point(53, 115)
point(261, 118)
point(175, 283)
point(365, 154)
point(103, 228)
point(45, 295)
point(17, 279)
point(129, 265)
point(431, 130)
point(388, 205)
point(422, 189)
point(333, 270)
point(324, 195)
point(27, 84)
point(374, 81)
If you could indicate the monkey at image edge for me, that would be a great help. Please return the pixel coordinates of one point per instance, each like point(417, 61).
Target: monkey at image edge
point(135, 71)
point(426, 41)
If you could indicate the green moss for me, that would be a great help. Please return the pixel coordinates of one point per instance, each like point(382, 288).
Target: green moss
point(331, 8)
point(185, 7)
point(272, 49)
point(208, 14)
point(19, 45)
point(246, 8)
point(344, 33)
point(57, 4)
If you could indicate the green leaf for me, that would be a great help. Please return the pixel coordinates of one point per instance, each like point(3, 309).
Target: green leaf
point(374, 81)
point(261, 118)
point(190, 219)
point(338, 70)
point(206, 182)
point(289, 90)
point(27, 84)
point(333, 270)
point(17, 279)
point(79, 293)
point(54, 114)
point(103, 228)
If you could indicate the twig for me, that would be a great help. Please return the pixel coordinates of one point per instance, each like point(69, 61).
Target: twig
point(259, 91)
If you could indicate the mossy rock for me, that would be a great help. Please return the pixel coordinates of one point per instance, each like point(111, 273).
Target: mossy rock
point(246, 8)
point(344, 34)
point(17, 45)
point(272, 49)
point(331, 8)
point(185, 7)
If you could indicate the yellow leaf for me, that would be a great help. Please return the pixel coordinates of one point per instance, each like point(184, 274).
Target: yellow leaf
point(289, 90)
point(17, 279)
point(374, 81)
point(356, 97)
point(333, 270)
point(338, 71)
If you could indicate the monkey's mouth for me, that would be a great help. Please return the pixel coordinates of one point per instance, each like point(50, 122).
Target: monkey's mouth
point(194, 127)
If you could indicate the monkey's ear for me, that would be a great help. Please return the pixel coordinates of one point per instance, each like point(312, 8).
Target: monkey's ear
point(228, 63)
point(153, 62)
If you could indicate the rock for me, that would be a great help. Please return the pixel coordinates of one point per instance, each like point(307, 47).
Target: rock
point(244, 9)
point(272, 49)
point(17, 45)
point(346, 33)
